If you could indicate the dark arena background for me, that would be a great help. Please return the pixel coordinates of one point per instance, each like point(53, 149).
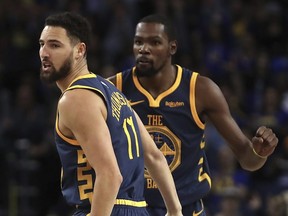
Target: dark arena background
point(240, 44)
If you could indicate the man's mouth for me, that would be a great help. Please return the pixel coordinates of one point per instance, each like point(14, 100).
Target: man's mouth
point(143, 60)
point(46, 66)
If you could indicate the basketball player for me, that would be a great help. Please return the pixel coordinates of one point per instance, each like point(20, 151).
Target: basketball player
point(98, 136)
point(173, 103)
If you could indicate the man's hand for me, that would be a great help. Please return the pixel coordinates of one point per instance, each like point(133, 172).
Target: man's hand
point(264, 142)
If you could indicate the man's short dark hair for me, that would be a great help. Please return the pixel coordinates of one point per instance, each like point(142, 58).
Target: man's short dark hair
point(158, 18)
point(77, 27)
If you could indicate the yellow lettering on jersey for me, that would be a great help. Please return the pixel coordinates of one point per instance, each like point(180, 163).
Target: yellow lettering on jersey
point(151, 184)
point(117, 101)
point(174, 104)
point(88, 184)
point(86, 178)
point(202, 175)
point(155, 120)
point(202, 144)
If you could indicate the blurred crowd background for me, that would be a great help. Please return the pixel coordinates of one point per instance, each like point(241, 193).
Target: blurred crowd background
point(241, 44)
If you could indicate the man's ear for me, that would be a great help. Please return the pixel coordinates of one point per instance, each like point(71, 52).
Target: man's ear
point(81, 50)
point(173, 47)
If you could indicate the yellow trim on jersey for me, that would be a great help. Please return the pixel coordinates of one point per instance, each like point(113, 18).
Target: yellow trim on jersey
point(119, 82)
point(193, 101)
point(91, 75)
point(130, 203)
point(156, 102)
point(86, 87)
point(198, 213)
point(70, 141)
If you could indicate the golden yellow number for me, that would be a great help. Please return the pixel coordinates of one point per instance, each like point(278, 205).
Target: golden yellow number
point(88, 186)
point(202, 175)
point(128, 122)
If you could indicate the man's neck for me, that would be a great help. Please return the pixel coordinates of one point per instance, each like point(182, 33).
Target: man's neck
point(159, 83)
point(77, 71)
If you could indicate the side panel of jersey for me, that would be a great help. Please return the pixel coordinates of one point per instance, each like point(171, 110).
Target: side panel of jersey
point(78, 177)
point(175, 127)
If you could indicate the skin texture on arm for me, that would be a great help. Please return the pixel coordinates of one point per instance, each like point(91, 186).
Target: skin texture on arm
point(158, 168)
point(210, 103)
point(82, 115)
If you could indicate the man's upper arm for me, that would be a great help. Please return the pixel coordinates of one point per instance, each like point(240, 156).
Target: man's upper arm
point(213, 105)
point(84, 113)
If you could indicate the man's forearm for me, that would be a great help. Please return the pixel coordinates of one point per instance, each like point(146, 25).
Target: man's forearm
point(161, 174)
point(104, 196)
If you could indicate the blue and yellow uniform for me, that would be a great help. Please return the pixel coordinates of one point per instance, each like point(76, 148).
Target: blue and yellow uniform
point(177, 130)
point(77, 175)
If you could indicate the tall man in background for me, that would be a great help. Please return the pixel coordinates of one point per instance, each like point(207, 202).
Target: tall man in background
point(174, 103)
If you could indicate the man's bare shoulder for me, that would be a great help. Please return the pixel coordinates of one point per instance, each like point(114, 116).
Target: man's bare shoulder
point(205, 84)
point(79, 97)
point(208, 95)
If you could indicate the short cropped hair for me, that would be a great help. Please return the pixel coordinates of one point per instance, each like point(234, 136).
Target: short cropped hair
point(77, 27)
point(158, 18)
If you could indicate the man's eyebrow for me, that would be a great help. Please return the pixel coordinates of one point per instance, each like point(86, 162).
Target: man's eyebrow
point(50, 41)
point(149, 37)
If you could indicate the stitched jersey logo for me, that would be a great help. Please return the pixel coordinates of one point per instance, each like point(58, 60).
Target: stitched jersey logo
point(168, 143)
point(135, 102)
point(174, 103)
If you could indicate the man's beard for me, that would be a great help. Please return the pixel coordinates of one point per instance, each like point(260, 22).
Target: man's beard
point(55, 75)
point(145, 71)
point(148, 72)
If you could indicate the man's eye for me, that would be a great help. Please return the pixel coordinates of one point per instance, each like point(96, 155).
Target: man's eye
point(156, 43)
point(137, 42)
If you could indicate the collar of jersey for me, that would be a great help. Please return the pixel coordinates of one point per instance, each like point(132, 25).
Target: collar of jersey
point(156, 102)
point(91, 75)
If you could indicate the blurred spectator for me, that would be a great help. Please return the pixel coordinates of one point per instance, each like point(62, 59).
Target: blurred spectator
point(27, 133)
point(229, 183)
point(278, 205)
point(118, 39)
point(231, 201)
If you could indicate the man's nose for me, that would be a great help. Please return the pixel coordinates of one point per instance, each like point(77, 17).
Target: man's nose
point(43, 52)
point(144, 48)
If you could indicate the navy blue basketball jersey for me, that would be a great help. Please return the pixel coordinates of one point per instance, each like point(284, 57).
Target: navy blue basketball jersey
point(77, 175)
point(173, 123)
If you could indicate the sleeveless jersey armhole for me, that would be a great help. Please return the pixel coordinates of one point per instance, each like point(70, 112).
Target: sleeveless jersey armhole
point(119, 81)
point(68, 140)
point(193, 101)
